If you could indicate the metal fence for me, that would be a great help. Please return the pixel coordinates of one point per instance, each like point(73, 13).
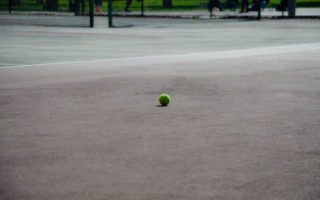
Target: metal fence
point(80, 12)
point(48, 12)
point(216, 9)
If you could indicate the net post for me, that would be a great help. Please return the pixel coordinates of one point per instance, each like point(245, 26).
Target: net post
point(110, 13)
point(91, 13)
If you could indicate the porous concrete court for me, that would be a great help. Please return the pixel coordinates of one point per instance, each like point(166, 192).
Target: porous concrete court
point(80, 118)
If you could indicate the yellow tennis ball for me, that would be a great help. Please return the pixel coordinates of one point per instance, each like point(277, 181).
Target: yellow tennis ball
point(164, 99)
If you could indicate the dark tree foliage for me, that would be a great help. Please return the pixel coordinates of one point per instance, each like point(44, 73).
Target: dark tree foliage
point(39, 2)
point(51, 5)
point(16, 2)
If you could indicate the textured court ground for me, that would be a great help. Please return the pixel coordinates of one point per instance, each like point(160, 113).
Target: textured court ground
point(80, 118)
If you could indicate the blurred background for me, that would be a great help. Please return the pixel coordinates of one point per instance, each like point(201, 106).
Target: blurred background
point(195, 9)
point(135, 5)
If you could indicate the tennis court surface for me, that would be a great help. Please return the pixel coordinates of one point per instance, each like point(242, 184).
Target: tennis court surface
point(79, 114)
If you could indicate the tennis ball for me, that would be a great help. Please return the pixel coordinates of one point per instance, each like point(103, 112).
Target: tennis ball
point(164, 99)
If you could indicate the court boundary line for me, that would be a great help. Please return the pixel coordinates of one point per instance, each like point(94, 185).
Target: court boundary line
point(236, 53)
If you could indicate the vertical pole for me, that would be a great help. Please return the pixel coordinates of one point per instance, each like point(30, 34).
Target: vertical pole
point(91, 12)
point(259, 9)
point(70, 6)
point(142, 7)
point(110, 13)
point(10, 6)
point(291, 8)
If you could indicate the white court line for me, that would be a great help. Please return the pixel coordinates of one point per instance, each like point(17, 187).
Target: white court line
point(8, 64)
point(188, 57)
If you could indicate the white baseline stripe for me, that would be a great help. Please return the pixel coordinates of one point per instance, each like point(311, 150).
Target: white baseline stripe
point(189, 57)
point(10, 64)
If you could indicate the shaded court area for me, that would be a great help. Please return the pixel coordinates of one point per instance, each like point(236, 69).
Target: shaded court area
point(66, 20)
point(80, 117)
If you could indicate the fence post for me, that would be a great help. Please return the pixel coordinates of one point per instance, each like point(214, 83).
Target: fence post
point(291, 8)
point(10, 6)
point(110, 13)
point(142, 7)
point(91, 12)
point(259, 9)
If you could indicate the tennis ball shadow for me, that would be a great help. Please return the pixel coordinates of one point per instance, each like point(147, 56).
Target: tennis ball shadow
point(161, 106)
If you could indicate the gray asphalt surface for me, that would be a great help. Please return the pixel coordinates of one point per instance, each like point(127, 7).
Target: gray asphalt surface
point(244, 121)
